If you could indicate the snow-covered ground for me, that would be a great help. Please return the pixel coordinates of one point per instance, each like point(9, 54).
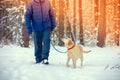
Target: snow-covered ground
point(17, 63)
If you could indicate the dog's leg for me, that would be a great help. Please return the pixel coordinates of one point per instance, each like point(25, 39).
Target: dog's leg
point(74, 63)
point(81, 58)
point(67, 64)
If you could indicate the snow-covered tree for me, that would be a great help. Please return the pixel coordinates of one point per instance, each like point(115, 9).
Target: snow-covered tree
point(12, 21)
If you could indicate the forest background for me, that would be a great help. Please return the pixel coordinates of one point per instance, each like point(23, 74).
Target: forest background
point(87, 22)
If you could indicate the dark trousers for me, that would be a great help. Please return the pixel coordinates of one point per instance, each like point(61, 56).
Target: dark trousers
point(42, 44)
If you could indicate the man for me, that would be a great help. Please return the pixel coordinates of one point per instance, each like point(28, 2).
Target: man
point(40, 20)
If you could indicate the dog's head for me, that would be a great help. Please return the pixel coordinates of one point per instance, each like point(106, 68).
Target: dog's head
point(68, 42)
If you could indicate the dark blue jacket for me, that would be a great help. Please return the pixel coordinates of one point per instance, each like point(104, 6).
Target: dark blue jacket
point(39, 16)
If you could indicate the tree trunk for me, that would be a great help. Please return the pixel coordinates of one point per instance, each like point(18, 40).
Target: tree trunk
point(53, 3)
point(24, 33)
point(1, 27)
point(117, 25)
point(96, 12)
point(74, 21)
point(102, 24)
point(61, 22)
point(68, 27)
point(81, 23)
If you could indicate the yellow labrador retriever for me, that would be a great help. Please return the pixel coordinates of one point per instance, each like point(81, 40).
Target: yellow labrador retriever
point(74, 52)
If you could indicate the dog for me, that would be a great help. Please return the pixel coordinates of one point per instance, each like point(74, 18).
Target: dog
point(74, 52)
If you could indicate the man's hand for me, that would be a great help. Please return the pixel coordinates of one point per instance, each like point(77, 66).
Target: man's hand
point(30, 31)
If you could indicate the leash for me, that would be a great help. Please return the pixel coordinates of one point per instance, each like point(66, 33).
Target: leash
point(54, 46)
point(57, 49)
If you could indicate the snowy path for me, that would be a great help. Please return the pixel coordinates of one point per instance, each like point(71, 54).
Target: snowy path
point(17, 63)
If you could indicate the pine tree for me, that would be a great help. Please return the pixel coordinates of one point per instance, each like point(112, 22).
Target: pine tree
point(81, 23)
point(68, 26)
point(1, 28)
point(24, 31)
point(96, 12)
point(74, 20)
point(117, 25)
point(102, 24)
point(61, 22)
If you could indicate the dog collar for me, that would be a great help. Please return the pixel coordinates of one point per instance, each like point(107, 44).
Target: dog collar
point(71, 47)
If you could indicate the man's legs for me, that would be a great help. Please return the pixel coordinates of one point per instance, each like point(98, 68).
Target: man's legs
point(46, 43)
point(42, 44)
point(38, 45)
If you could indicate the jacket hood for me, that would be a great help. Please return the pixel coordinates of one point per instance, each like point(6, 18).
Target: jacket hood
point(37, 1)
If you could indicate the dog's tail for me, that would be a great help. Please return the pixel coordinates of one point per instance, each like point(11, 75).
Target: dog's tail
point(87, 51)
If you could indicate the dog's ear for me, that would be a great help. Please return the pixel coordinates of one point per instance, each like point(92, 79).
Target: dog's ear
point(70, 42)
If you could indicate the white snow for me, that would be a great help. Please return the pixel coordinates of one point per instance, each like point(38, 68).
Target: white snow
point(17, 63)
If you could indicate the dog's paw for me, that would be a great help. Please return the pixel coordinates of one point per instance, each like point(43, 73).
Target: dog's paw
point(74, 67)
point(67, 65)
